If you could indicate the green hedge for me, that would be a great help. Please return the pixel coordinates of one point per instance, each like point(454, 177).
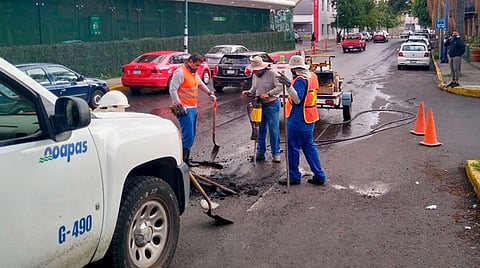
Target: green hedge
point(105, 59)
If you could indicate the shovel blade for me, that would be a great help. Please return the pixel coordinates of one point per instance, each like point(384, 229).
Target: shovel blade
point(214, 153)
point(218, 219)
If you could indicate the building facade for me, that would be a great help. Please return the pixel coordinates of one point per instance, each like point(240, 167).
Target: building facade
point(303, 19)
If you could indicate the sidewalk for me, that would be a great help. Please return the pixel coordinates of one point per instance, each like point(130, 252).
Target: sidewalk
point(469, 78)
point(469, 86)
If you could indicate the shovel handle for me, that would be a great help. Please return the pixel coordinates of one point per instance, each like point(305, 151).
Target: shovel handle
point(215, 184)
point(200, 189)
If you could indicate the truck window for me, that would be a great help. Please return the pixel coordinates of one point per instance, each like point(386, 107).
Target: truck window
point(18, 115)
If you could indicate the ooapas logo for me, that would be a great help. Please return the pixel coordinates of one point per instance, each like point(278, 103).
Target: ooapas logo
point(64, 151)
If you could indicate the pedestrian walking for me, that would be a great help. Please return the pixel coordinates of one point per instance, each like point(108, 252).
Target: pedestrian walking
point(313, 39)
point(456, 47)
point(302, 113)
point(184, 88)
point(265, 87)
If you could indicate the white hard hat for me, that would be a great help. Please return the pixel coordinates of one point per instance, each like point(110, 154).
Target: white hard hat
point(113, 101)
point(297, 61)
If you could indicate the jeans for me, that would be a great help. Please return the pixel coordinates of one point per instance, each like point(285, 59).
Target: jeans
point(270, 121)
point(455, 67)
point(188, 124)
point(303, 140)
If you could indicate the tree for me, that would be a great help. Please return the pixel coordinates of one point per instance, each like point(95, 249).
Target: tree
point(420, 10)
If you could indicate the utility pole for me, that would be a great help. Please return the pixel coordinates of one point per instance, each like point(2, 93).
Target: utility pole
point(444, 50)
point(185, 30)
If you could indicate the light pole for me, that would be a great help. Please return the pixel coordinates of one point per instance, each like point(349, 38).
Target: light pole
point(185, 30)
point(444, 50)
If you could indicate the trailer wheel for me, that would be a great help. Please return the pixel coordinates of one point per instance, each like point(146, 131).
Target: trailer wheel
point(148, 224)
point(347, 112)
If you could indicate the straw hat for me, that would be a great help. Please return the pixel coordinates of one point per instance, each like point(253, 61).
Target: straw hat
point(257, 64)
point(297, 61)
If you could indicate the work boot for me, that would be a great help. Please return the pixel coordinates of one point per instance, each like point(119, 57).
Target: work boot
point(276, 158)
point(292, 182)
point(316, 180)
point(186, 159)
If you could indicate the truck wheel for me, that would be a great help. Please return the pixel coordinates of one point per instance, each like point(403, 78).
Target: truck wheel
point(95, 99)
point(148, 224)
point(347, 112)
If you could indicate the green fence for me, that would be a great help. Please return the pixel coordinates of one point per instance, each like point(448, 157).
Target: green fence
point(105, 59)
point(28, 22)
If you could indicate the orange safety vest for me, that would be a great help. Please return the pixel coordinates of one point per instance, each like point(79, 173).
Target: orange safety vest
point(310, 111)
point(188, 90)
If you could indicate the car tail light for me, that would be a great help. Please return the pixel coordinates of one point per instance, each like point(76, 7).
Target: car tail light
point(153, 71)
point(215, 70)
point(329, 102)
point(426, 55)
point(400, 54)
point(248, 71)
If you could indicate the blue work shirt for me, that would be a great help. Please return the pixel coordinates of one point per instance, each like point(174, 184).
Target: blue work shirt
point(296, 121)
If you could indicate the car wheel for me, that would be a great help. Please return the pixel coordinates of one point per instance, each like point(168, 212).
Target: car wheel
point(135, 91)
point(148, 224)
point(218, 89)
point(344, 50)
point(399, 67)
point(95, 99)
point(206, 77)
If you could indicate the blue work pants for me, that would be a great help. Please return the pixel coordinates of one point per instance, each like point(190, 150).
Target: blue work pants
point(303, 140)
point(188, 124)
point(270, 121)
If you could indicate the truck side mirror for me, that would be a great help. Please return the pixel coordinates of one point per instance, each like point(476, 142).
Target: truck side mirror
point(70, 113)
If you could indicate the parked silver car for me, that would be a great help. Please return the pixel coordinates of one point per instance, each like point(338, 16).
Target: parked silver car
point(214, 55)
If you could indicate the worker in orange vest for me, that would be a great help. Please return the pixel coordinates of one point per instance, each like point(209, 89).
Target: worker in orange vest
point(183, 90)
point(302, 113)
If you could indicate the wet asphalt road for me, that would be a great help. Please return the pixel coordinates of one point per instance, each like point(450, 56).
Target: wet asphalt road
point(372, 210)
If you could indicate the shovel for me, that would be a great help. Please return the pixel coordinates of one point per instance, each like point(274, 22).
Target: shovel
point(216, 147)
point(218, 219)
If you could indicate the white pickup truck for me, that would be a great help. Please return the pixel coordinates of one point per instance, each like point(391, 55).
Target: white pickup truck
point(80, 186)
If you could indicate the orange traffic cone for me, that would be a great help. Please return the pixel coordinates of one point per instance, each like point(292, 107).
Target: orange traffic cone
point(430, 138)
point(420, 123)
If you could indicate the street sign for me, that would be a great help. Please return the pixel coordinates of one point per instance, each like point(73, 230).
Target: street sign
point(440, 24)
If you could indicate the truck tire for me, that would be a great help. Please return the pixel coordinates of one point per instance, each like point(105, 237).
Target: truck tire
point(347, 112)
point(148, 224)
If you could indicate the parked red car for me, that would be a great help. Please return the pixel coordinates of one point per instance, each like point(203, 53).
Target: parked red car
point(155, 69)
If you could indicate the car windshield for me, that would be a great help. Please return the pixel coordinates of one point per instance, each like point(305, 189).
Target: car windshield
point(235, 60)
point(413, 48)
point(222, 50)
point(149, 58)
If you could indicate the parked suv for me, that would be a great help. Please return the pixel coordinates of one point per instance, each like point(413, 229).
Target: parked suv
point(232, 70)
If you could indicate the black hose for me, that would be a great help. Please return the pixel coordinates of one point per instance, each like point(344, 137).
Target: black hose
point(400, 122)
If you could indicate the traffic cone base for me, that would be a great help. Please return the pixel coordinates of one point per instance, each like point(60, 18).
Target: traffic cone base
point(430, 138)
point(420, 123)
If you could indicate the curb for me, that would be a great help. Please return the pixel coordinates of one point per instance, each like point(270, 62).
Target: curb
point(473, 175)
point(118, 87)
point(464, 90)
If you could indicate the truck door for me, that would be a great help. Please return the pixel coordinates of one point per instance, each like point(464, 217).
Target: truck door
point(50, 192)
